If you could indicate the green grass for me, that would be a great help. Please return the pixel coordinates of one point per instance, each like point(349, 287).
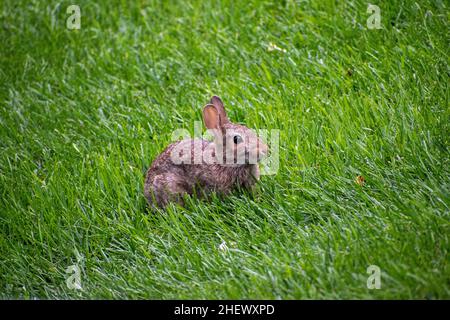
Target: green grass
point(84, 112)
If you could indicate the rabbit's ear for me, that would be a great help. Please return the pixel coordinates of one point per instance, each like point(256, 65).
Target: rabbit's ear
point(211, 117)
point(215, 100)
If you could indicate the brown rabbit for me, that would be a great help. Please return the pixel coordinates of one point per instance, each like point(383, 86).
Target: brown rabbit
point(201, 167)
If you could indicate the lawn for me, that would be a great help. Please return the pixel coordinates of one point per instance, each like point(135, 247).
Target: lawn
point(83, 113)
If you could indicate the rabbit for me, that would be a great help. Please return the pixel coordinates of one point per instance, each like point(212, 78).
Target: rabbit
point(230, 161)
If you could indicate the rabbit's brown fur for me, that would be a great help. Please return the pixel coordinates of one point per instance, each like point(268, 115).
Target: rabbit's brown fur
point(167, 181)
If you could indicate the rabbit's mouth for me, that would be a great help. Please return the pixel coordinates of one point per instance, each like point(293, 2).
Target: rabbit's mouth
point(255, 156)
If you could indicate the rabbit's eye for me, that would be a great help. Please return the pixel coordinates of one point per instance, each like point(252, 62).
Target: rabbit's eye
point(237, 139)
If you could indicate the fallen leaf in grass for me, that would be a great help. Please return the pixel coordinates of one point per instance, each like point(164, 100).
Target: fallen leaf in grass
point(273, 47)
point(223, 246)
point(360, 180)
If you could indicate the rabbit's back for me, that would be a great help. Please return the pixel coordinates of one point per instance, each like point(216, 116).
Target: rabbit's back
point(177, 169)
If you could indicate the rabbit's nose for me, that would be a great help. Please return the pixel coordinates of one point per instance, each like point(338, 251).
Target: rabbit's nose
point(263, 150)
